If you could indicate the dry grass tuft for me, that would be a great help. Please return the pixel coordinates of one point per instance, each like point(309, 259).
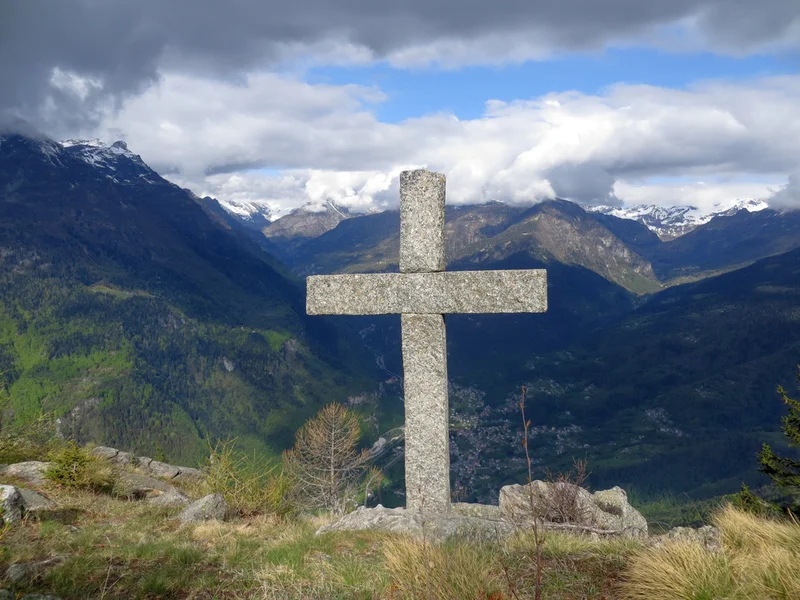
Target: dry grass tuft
point(678, 571)
point(758, 560)
point(418, 569)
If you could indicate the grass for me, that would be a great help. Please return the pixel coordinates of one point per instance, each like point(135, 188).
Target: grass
point(758, 560)
point(114, 548)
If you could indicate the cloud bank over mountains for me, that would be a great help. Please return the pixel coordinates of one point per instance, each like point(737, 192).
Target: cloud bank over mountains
point(212, 95)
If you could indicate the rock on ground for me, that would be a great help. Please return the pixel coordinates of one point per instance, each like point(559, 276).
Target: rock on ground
point(11, 503)
point(484, 511)
point(171, 498)
point(19, 572)
point(35, 502)
point(9, 595)
point(31, 472)
point(707, 536)
point(147, 465)
point(160, 469)
point(105, 452)
point(434, 527)
point(211, 507)
point(607, 511)
point(139, 487)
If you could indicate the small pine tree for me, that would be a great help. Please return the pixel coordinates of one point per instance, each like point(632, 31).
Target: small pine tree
point(784, 471)
point(325, 463)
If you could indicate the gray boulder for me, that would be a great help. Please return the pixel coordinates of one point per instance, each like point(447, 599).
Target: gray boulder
point(707, 536)
point(163, 470)
point(483, 511)
point(627, 518)
point(143, 462)
point(31, 471)
point(208, 508)
point(147, 465)
point(188, 474)
point(566, 506)
point(12, 505)
point(124, 459)
point(434, 527)
point(35, 502)
point(105, 452)
point(171, 498)
point(140, 487)
point(19, 572)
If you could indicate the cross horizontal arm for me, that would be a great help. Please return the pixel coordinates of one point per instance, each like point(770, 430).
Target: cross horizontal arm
point(428, 293)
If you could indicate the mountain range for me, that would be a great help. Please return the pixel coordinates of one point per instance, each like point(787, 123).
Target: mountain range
point(658, 358)
point(151, 319)
point(141, 317)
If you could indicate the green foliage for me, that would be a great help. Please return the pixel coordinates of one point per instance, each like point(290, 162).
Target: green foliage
point(249, 483)
point(133, 371)
point(746, 501)
point(19, 443)
point(73, 466)
point(784, 471)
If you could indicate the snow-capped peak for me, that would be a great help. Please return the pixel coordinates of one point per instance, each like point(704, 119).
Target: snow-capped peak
point(95, 143)
point(669, 222)
point(115, 161)
point(252, 212)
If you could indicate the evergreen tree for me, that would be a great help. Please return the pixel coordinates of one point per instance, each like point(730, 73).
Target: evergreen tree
point(784, 471)
point(327, 467)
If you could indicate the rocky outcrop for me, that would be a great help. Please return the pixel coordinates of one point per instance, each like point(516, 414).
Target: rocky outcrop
point(141, 487)
point(483, 511)
point(31, 471)
point(208, 508)
point(12, 505)
point(147, 465)
point(563, 505)
point(434, 527)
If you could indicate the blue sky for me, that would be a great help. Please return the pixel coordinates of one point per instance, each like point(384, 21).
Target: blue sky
point(464, 91)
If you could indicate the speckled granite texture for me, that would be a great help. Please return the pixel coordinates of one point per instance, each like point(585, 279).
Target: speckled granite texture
point(422, 292)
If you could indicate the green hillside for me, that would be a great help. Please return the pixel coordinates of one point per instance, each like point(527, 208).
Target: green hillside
point(128, 311)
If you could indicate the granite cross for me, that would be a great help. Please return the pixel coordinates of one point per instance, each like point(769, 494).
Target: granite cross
point(422, 292)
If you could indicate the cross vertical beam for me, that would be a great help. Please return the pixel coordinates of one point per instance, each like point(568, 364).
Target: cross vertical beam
point(424, 343)
point(427, 413)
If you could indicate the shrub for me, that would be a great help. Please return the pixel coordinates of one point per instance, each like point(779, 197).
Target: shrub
point(250, 485)
point(562, 503)
point(33, 441)
point(73, 466)
point(746, 501)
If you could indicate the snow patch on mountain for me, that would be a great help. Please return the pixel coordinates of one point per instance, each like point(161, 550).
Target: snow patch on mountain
point(669, 222)
point(252, 212)
point(116, 162)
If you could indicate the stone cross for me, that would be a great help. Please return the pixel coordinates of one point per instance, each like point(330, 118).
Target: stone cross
point(422, 292)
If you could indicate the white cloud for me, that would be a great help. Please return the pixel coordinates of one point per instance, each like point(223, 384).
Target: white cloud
point(213, 137)
point(788, 196)
point(708, 197)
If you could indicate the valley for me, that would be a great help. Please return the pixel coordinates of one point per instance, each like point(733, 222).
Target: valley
point(146, 317)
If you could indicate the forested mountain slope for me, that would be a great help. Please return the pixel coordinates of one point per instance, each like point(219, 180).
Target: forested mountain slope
point(128, 309)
